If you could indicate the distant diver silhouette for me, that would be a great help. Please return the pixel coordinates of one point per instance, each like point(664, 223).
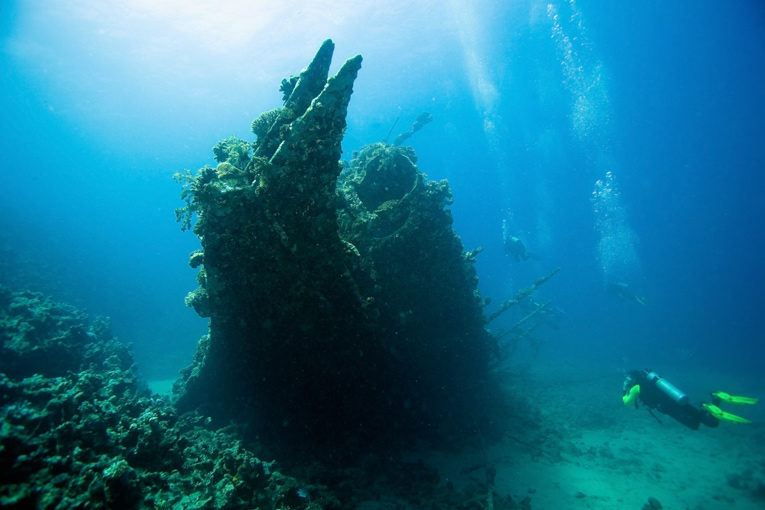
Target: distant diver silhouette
point(622, 291)
point(515, 248)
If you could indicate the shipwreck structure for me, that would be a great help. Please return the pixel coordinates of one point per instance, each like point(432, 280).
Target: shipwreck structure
point(343, 306)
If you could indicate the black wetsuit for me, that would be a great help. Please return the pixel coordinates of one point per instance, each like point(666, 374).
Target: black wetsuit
point(655, 398)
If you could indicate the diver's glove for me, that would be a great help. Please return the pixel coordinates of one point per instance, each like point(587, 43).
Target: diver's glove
point(631, 395)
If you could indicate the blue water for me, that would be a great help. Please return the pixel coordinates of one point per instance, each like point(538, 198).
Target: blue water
point(533, 104)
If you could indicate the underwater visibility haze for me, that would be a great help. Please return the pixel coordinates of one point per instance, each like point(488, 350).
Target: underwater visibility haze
point(421, 267)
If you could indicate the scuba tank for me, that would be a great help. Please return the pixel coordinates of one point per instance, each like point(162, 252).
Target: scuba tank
point(668, 388)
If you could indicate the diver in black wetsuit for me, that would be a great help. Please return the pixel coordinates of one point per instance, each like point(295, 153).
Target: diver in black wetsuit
point(516, 248)
point(622, 291)
point(657, 393)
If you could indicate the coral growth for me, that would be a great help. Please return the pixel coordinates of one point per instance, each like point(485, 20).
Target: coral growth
point(93, 437)
point(262, 124)
point(82, 433)
point(343, 309)
point(234, 151)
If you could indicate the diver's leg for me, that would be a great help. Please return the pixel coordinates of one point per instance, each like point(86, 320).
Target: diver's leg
point(689, 416)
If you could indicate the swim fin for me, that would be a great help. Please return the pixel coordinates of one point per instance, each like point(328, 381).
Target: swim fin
point(722, 415)
point(732, 399)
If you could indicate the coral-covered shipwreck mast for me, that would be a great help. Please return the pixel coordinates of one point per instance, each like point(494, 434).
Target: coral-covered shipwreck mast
point(341, 306)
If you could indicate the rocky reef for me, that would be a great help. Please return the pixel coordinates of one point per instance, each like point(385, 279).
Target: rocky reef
point(78, 430)
point(343, 308)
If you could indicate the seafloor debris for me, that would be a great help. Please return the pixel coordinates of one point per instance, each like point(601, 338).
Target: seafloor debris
point(343, 308)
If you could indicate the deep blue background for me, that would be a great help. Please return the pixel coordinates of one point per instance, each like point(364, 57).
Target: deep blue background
point(102, 102)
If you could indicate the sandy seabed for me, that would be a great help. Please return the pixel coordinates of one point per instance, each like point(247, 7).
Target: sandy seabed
point(591, 452)
point(576, 446)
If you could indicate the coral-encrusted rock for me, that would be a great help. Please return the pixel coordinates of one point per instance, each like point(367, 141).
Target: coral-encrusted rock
point(307, 86)
point(422, 282)
point(340, 315)
point(287, 323)
point(39, 336)
point(93, 438)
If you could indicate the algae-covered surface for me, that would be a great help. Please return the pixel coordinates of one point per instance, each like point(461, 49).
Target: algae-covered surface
point(343, 308)
point(85, 433)
point(80, 431)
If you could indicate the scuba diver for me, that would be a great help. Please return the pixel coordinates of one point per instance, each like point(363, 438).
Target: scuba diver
point(516, 248)
point(622, 291)
point(655, 392)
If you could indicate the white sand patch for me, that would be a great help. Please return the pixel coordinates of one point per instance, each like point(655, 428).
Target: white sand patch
point(163, 387)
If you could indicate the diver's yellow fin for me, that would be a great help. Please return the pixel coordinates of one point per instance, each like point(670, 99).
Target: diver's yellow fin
point(732, 399)
point(722, 415)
